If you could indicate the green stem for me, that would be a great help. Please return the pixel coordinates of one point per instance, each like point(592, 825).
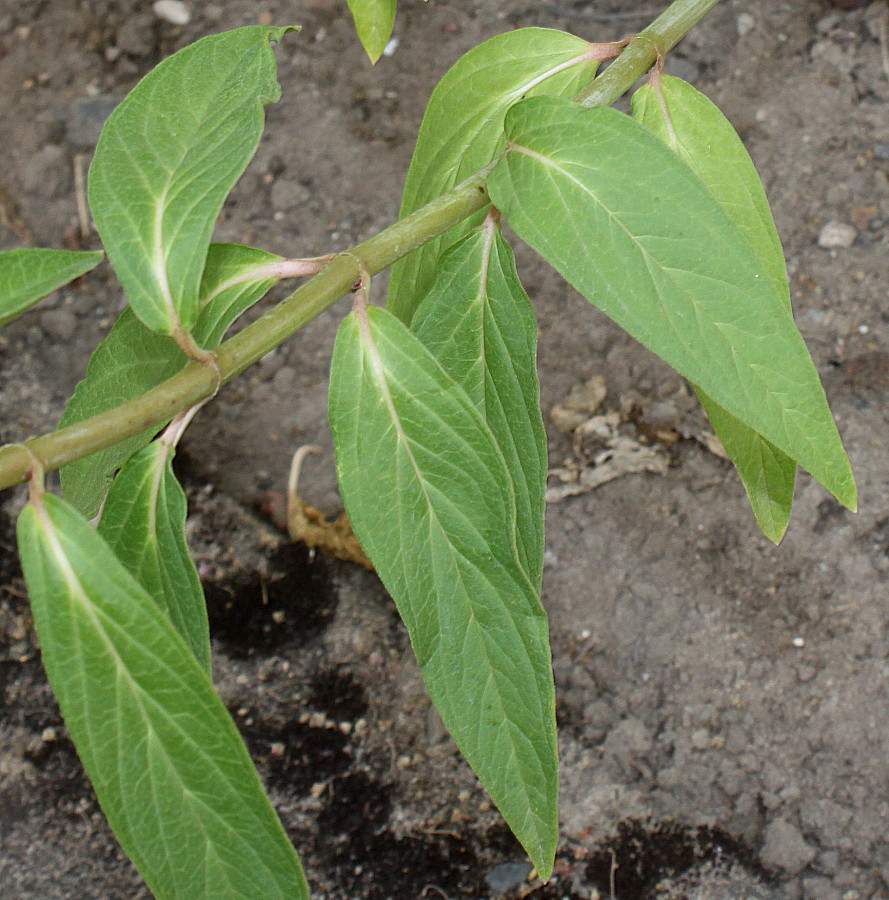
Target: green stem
point(196, 382)
point(661, 36)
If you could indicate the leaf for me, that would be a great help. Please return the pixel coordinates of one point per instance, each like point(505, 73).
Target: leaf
point(143, 522)
point(429, 497)
point(131, 359)
point(478, 322)
point(462, 131)
point(168, 157)
point(373, 22)
point(28, 275)
point(166, 761)
point(637, 233)
point(235, 277)
point(695, 128)
point(768, 475)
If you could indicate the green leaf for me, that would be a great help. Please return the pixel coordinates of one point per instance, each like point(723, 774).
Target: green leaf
point(479, 324)
point(28, 275)
point(462, 131)
point(695, 128)
point(143, 522)
point(637, 233)
point(166, 761)
point(235, 277)
point(428, 494)
point(373, 22)
point(131, 359)
point(768, 475)
point(167, 159)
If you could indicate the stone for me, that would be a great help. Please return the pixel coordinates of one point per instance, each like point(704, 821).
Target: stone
point(173, 11)
point(837, 235)
point(288, 194)
point(785, 849)
point(136, 36)
point(88, 117)
point(507, 876)
point(45, 172)
point(745, 24)
point(59, 324)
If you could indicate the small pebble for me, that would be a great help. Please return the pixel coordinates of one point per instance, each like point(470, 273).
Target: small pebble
point(88, 116)
point(700, 739)
point(836, 235)
point(507, 876)
point(785, 848)
point(173, 11)
point(881, 150)
point(745, 24)
point(59, 324)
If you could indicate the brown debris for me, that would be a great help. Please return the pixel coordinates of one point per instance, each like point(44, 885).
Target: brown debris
point(309, 525)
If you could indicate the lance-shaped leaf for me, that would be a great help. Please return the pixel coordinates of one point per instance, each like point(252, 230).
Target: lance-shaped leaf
point(166, 761)
point(637, 233)
point(695, 129)
point(428, 494)
point(131, 359)
point(28, 275)
point(373, 22)
point(143, 522)
point(462, 131)
point(479, 324)
point(168, 157)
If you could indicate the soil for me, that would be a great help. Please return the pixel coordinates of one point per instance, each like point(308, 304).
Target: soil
point(723, 703)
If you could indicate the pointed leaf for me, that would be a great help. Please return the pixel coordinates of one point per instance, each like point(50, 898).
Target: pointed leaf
point(768, 475)
point(462, 130)
point(695, 128)
point(28, 275)
point(235, 277)
point(373, 22)
point(479, 324)
point(169, 768)
point(429, 497)
point(131, 359)
point(167, 159)
point(143, 522)
point(637, 233)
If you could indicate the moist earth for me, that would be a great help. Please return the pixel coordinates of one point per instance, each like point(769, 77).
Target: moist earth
point(722, 702)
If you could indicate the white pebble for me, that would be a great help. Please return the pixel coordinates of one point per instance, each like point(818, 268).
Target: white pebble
point(837, 235)
point(745, 24)
point(173, 11)
point(798, 642)
point(391, 47)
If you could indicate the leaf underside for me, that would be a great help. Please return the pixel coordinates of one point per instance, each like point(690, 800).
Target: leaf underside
point(131, 359)
point(428, 494)
point(168, 765)
point(143, 522)
point(631, 227)
point(30, 274)
point(695, 129)
point(462, 130)
point(374, 20)
point(478, 322)
point(167, 159)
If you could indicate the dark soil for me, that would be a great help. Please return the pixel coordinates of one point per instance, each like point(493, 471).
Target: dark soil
point(723, 703)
